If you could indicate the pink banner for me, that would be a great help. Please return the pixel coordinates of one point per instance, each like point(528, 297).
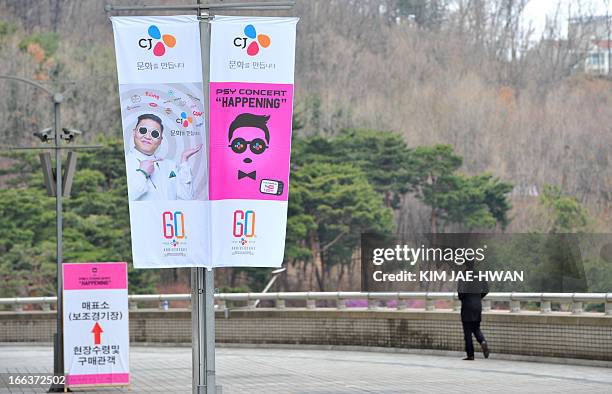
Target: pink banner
point(91, 276)
point(250, 140)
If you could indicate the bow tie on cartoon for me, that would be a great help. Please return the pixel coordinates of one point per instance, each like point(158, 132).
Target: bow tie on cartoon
point(251, 175)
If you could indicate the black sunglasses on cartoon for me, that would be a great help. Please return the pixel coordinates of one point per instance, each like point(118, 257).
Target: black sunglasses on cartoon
point(154, 133)
point(257, 146)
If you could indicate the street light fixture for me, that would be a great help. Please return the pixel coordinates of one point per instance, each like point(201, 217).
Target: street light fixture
point(70, 134)
point(45, 135)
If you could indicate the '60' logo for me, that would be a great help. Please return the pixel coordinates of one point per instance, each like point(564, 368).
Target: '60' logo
point(244, 223)
point(174, 224)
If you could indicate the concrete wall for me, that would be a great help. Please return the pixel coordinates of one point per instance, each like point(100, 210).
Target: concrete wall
point(583, 336)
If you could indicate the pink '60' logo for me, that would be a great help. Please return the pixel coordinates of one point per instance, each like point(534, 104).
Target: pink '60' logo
point(174, 224)
point(244, 223)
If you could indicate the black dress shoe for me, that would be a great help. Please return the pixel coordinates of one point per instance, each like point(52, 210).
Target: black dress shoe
point(469, 358)
point(485, 349)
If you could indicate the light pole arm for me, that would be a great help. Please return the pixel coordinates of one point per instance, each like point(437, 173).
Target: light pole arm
point(30, 82)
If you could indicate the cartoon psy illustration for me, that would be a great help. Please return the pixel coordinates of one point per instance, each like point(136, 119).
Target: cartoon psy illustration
point(151, 177)
point(245, 137)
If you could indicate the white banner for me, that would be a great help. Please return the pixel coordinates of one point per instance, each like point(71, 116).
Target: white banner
point(181, 215)
point(157, 49)
point(162, 107)
point(249, 49)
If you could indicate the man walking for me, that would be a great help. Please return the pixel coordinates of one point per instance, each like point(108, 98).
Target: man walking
point(471, 294)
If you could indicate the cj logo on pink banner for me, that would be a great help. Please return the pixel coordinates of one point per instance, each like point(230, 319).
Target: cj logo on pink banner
point(262, 40)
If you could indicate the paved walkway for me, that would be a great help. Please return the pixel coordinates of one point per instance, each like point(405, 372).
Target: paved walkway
point(168, 370)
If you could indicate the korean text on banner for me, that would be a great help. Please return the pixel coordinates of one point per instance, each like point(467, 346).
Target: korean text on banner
point(251, 107)
point(96, 329)
point(159, 69)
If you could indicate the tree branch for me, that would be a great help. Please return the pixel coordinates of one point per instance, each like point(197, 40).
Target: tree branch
point(323, 249)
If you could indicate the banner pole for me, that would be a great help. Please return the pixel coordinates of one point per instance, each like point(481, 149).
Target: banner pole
point(58, 359)
point(250, 6)
point(203, 287)
point(209, 281)
point(195, 331)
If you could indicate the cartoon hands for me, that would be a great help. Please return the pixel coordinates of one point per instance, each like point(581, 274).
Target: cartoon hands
point(148, 166)
point(187, 153)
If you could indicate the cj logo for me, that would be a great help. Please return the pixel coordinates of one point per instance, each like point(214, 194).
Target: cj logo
point(253, 47)
point(159, 48)
point(174, 224)
point(184, 120)
point(244, 223)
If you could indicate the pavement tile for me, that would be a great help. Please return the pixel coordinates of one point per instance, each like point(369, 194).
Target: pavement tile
point(299, 371)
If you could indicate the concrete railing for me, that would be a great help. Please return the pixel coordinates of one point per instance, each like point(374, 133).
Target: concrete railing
point(534, 324)
point(513, 302)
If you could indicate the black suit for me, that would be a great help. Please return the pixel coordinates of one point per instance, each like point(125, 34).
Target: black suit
point(471, 295)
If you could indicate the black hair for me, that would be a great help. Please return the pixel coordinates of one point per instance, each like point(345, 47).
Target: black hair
point(152, 117)
point(250, 120)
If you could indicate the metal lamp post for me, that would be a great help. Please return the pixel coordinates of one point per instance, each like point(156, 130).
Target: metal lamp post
point(58, 349)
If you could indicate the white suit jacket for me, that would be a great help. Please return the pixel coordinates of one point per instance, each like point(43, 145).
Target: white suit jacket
point(168, 181)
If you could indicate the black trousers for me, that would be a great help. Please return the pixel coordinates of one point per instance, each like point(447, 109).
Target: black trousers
point(469, 328)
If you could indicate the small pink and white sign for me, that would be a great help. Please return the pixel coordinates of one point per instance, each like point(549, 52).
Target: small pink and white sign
point(96, 328)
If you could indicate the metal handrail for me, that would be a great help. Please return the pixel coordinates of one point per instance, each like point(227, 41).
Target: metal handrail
point(574, 300)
